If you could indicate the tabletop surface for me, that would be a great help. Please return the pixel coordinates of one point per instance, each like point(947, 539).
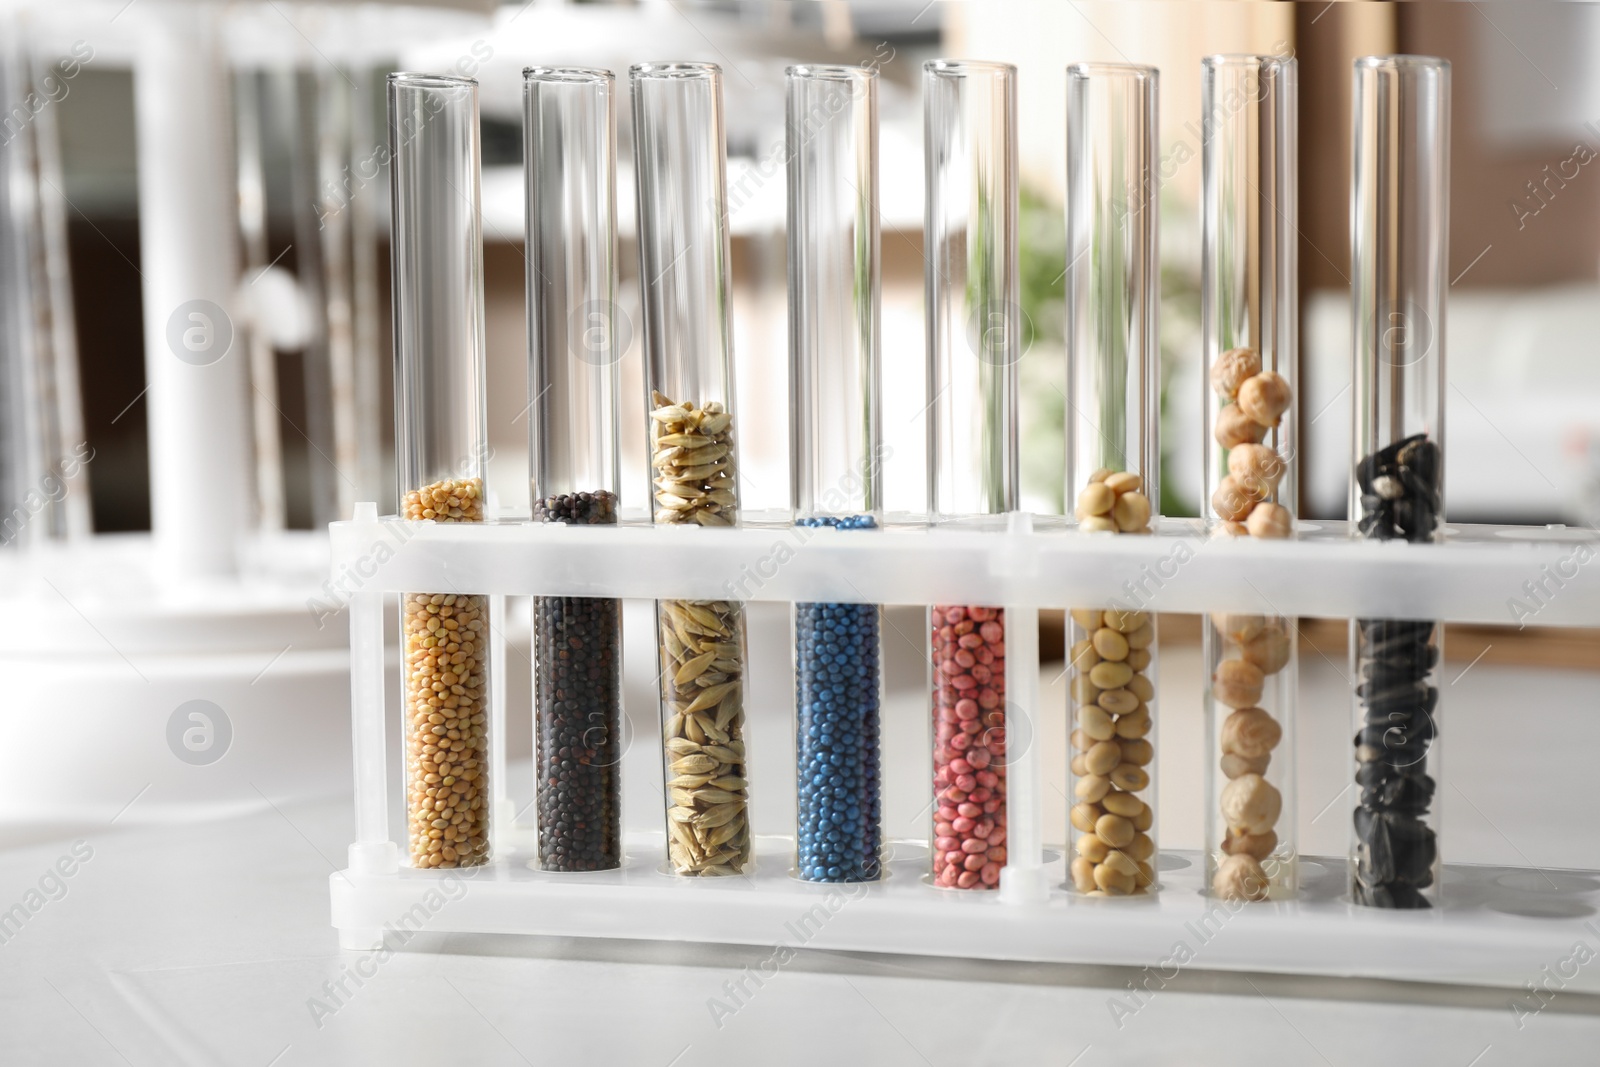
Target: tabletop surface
point(209, 944)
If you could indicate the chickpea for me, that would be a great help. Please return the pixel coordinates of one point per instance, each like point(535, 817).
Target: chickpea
point(1251, 733)
point(1238, 628)
point(1257, 468)
point(1098, 524)
point(1232, 369)
point(1268, 650)
point(1235, 428)
point(1265, 397)
point(1237, 684)
point(1240, 877)
point(1258, 845)
point(1229, 529)
point(1270, 522)
point(1233, 764)
point(1251, 804)
point(1232, 501)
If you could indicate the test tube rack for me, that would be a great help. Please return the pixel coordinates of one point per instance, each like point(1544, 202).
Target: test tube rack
point(1498, 926)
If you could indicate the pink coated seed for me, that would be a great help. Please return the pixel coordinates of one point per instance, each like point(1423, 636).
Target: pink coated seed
point(969, 719)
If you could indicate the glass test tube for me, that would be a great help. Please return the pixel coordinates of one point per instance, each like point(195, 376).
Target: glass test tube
point(832, 135)
point(569, 157)
point(1249, 331)
point(974, 344)
point(1400, 226)
point(1113, 464)
point(441, 445)
point(683, 263)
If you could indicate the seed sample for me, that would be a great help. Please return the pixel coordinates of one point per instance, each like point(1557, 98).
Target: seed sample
point(1395, 849)
point(445, 646)
point(1400, 491)
point(837, 695)
point(578, 711)
point(1112, 660)
point(1254, 401)
point(1112, 502)
point(691, 454)
point(702, 658)
point(969, 746)
point(1250, 862)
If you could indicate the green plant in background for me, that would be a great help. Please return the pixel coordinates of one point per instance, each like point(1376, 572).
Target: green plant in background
point(1042, 239)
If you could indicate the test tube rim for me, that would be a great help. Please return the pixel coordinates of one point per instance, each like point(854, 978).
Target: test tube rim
point(425, 80)
point(1260, 60)
point(1402, 61)
point(674, 70)
point(1136, 71)
point(840, 72)
point(963, 68)
point(568, 75)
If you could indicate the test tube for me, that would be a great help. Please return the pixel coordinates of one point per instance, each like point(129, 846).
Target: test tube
point(569, 155)
point(832, 141)
point(683, 265)
point(1249, 345)
point(1399, 227)
point(974, 344)
point(1113, 464)
point(441, 445)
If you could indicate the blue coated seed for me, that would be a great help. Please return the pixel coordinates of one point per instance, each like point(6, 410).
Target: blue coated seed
point(837, 753)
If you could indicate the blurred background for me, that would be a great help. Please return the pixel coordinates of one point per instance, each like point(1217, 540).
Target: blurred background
point(303, 88)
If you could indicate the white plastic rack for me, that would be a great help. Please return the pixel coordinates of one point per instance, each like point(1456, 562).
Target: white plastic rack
point(1495, 924)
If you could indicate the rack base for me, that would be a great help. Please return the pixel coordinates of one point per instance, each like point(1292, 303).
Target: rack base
point(1500, 926)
